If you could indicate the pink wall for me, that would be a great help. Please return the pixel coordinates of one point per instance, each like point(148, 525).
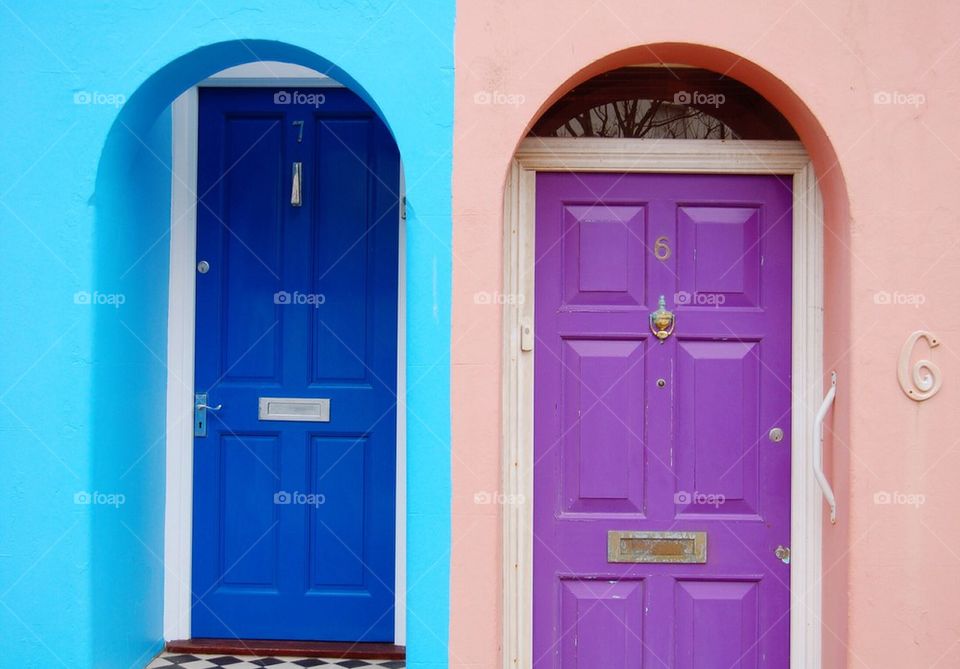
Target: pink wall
point(889, 176)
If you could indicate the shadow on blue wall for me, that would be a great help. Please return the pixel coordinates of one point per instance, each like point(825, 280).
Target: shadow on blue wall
point(132, 205)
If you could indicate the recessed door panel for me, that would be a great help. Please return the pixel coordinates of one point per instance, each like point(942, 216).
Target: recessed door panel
point(603, 249)
point(248, 516)
point(603, 623)
point(717, 624)
point(342, 259)
point(250, 237)
point(719, 255)
point(717, 441)
point(337, 512)
point(602, 439)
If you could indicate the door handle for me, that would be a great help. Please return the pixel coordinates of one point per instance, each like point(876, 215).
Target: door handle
point(200, 408)
point(296, 192)
point(818, 447)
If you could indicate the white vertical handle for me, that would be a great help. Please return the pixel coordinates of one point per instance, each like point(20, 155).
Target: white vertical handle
point(818, 447)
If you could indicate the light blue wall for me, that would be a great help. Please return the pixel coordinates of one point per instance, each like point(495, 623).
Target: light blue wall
point(84, 207)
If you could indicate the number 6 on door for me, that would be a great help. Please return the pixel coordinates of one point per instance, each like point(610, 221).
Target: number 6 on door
point(661, 249)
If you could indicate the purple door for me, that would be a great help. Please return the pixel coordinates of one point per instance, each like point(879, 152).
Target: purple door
point(662, 467)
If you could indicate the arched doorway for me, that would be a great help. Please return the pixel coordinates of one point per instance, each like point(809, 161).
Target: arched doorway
point(360, 154)
point(660, 432)
point(341, 158)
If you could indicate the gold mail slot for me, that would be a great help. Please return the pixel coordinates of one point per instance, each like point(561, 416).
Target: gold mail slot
point(657, 547)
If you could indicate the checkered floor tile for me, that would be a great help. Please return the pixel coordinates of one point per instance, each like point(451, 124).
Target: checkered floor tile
point(257, 662)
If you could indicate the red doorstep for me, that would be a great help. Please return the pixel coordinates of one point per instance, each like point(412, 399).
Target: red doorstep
point(352, 651)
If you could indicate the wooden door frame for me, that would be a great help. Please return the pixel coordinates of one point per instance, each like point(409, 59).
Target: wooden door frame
point(181, 335)
point(678, 157)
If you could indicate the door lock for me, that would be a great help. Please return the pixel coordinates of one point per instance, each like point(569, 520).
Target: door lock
point(783, 554)
point(200, 408)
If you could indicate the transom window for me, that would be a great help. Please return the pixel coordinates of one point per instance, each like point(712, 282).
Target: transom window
point(666, 102)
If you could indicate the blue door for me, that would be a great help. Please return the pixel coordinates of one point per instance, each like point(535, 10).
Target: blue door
point(296, 343)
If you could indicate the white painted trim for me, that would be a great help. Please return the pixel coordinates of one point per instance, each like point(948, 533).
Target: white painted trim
point(178, 540)
point(674, 156)
point(178, 507)
point(269, 73)
point(400, 572)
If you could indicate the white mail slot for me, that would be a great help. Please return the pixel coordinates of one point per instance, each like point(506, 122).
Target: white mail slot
point(307, 409)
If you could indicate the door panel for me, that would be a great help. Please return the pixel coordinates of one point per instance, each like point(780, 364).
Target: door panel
point(634, 434)
point(337, 529)
point(294, 533)
point(342, 255)
point(598, 616)
point(604, 264)
point(252, 248)
point(603, 453)
point(247, 514)
point(716, 624)
point(719, 255)
point(717, 406)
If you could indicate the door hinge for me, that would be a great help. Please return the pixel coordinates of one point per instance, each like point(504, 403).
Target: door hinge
point(403, 208)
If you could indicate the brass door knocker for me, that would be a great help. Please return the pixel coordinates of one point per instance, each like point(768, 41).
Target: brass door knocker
point(662, 321)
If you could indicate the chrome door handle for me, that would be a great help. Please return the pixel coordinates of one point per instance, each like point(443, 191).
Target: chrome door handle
point(200, 408)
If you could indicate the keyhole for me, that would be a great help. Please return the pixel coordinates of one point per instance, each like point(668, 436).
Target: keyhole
point(661, 383)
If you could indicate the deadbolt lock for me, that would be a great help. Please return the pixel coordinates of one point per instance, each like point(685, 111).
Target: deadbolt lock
point(776, 435)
